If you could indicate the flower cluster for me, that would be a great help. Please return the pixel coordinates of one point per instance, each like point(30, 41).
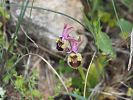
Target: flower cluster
point(70, 45)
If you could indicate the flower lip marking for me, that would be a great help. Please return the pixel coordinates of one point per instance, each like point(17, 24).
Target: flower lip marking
point(74, 60)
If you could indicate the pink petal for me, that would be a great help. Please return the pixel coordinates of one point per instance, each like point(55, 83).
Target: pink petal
point(66, 31)
point(75, 44)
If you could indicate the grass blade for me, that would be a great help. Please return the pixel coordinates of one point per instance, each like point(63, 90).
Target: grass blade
point(22, 13)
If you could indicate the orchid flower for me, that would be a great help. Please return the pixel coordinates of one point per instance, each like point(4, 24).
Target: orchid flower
point(74, 59)
point(70, 45)
point(62, 42)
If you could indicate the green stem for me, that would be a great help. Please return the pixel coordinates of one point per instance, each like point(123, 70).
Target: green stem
point(31, 7)
point(20, 19)
point(80, 69)
point(117, 15)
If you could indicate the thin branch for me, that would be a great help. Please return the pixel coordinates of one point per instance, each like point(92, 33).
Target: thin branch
point(28, 36)
point(114, 94)
point(27, 66)
point(26, 33)
point(131, 51)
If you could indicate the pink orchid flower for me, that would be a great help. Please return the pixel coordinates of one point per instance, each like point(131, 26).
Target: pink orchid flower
point(62, 41)
point(73, 42)
point(74, 58)
point(65, 37)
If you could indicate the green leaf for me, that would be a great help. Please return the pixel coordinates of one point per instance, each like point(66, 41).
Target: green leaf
point(0, 24)
point(19, 82)
point(4, 13)
point(126, 28)
point(102, 40)
point(63, 68)
point(36, 93)
point(6, 79)
point(93, 77)
point(104, 43)
point(105, 16)
point(112, 22)
point(77, 82)
point(96, 70)
point(95, 5)
point(88, 24)
point(128, 4)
